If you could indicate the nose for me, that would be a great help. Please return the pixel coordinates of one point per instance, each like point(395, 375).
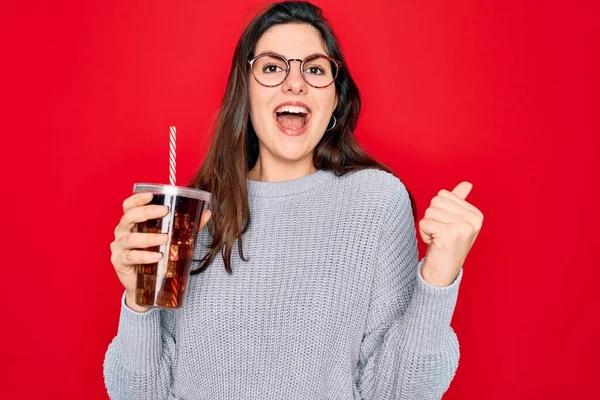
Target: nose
point(294, 82)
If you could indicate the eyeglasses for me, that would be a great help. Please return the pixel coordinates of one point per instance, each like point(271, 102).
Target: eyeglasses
point(271, 69)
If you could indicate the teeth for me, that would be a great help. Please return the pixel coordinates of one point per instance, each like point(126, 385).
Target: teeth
point(292, 109)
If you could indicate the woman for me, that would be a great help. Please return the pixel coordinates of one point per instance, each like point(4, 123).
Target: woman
point(326, 297)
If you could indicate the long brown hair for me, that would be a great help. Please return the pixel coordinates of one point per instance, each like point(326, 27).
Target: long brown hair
point(234, 147)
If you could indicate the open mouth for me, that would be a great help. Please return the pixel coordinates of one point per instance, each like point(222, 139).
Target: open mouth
point(292, 117)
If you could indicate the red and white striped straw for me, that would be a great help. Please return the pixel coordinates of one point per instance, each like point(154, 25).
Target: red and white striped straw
point(172, 155)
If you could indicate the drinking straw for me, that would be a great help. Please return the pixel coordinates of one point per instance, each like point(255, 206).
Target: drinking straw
point(174, 291)
point(172, 181)
point(172, 138)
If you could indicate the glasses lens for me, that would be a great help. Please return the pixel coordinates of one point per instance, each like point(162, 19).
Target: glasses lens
point(269, 70)
point(319, 71)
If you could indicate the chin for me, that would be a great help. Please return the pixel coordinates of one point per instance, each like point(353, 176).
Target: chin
point(292, 156)
point(292, 151)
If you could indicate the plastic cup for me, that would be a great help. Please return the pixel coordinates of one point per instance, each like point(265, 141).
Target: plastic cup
point(163, 283)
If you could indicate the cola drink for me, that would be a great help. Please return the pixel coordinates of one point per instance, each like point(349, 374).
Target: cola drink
point(162, 284)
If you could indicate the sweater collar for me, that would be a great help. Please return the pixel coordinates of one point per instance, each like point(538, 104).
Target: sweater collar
point(287, 188)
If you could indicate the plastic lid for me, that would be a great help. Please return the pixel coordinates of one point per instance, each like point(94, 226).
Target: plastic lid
point(159, 188)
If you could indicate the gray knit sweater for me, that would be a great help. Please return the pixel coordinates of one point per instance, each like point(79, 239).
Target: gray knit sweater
point(330, 305)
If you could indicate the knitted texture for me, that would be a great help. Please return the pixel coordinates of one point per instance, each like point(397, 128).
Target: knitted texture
point(330, 305)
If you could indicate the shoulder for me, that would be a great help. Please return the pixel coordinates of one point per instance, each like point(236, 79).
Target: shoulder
point(376, 182)
point(384, 189)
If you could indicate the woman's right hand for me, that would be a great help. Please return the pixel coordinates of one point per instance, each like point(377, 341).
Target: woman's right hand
point(126, 248)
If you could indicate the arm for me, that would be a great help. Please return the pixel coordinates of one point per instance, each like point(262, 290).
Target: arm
point(138, 361)
point(409, 350)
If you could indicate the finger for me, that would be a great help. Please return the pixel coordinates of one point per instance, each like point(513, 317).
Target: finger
point(141, 240)
point(136, 200)
point(448, 217)
point(442, 215)
point(206, 214)
point(448, 204)
point(463, 189)
point(139, 214)
point(133, 257)
point(462, 202)
point(428, 229)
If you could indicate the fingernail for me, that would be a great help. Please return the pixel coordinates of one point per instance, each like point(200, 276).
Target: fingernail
point(156, 256)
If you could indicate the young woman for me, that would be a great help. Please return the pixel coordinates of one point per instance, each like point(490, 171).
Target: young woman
point(325, 296)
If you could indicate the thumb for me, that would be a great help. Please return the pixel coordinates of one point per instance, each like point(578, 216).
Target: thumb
point(206, 214)
point(463, 189)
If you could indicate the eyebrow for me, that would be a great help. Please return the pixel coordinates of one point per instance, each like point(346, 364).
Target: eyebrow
point(274, 52)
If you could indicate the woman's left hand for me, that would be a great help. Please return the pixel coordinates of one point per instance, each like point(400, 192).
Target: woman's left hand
point(450, 227)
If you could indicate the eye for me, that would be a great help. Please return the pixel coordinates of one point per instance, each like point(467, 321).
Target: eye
point(271, 68)
point(315, 70)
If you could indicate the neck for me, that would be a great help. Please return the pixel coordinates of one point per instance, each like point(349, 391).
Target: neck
point(280, 172)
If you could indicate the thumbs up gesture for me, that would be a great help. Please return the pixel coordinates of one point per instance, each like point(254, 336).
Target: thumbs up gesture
point(450, 226)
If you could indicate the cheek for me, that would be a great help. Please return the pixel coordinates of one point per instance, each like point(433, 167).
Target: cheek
point(252, 98)
point(255, 107)
point(329, 100)
point(259, 101)
point(328, 104)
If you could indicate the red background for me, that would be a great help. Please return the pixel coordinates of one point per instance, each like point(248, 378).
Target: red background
point(502, 94)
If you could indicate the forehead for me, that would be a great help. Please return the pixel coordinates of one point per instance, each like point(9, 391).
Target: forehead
point(291, 41)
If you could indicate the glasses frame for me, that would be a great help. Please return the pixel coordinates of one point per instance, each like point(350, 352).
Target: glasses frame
point(287, 71)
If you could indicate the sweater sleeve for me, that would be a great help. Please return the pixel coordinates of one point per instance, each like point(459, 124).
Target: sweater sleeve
point(138, 362)
point(409, 350)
